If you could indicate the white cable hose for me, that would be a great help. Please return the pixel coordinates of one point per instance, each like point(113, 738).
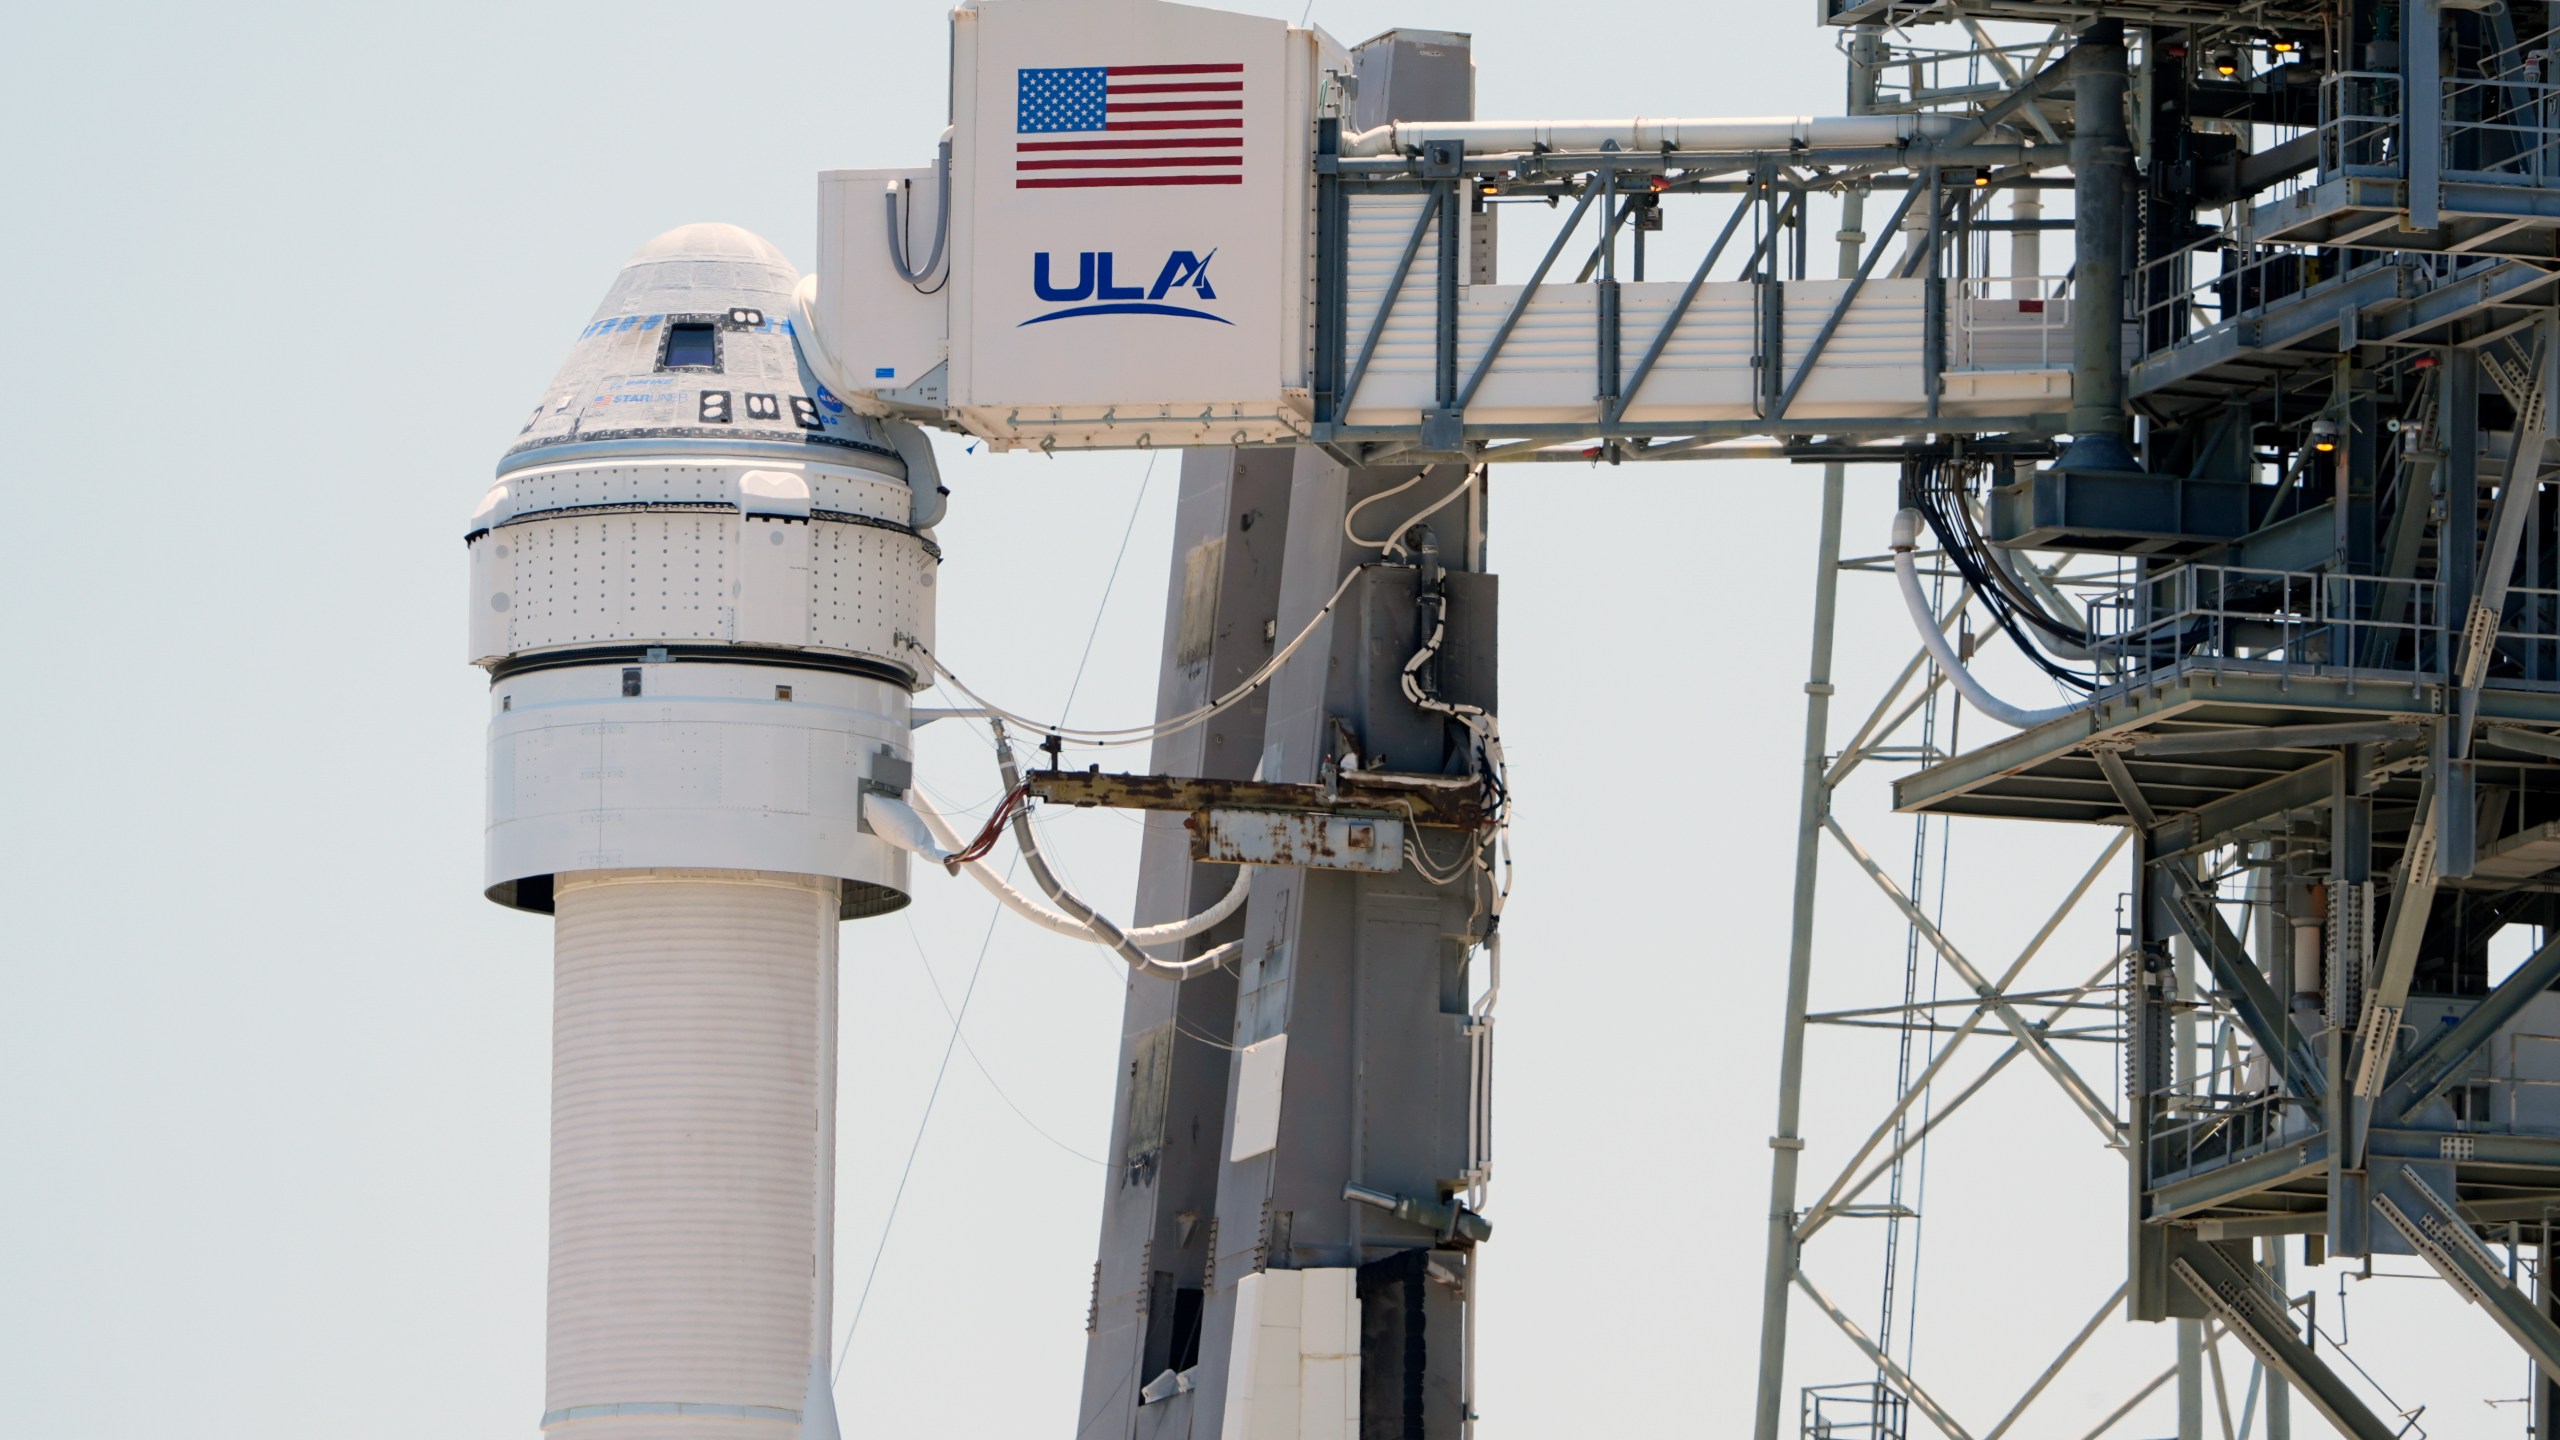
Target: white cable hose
point(687, 1062)
point(1028, 843)
point(1906, 570)
point(913, 825)
point(1395, 538)
point(1131, 735)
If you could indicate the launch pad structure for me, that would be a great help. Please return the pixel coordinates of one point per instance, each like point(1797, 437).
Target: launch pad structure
point(2252, 471)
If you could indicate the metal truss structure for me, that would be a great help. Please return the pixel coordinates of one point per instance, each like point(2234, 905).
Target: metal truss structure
point(2297, 561)
point(1967, 330)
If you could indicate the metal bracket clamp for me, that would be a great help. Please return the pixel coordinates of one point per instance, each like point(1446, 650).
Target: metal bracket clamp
point(1449, 1219)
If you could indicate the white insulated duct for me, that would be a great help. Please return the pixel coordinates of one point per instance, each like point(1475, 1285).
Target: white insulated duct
point(1906, 571)
point(1716, 136)
point(693, 1041)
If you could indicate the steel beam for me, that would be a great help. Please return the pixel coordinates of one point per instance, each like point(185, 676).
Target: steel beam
point(2422, 111)
point(2155, 745)
point(2444, 1240)
point(1670, 323)
point(2237, 1294)
point(2106, 1307)
point(2042, 1052)
point(1843, 1189)
point(2413, 895)
point(2417, 1079)
point(2253, 1001)
point(1813, 803)
point(1921, 1400)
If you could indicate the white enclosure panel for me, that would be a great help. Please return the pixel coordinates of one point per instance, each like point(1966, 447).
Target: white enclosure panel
point(591, 579)
point(867, 586)
point(1039, 184)
point(773, 575)
point(685, 1234)
point(1260, 1068)
point(1158, 303)
point(875, 330)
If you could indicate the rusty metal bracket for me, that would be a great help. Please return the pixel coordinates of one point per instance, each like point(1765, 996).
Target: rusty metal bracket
point(1419, 799)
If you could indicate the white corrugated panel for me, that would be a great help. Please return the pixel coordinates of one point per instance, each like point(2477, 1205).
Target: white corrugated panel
point(685, 1151)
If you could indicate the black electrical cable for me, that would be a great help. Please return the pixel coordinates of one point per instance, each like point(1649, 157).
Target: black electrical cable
point(1935, 486)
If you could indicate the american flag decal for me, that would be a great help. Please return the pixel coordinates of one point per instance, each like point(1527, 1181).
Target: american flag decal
point(1110, 125)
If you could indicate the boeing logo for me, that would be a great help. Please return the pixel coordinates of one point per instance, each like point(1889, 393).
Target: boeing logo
point(1094, 283)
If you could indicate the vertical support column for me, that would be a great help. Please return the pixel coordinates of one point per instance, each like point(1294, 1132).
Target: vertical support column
point(2188, 1083)
point(2102, 178)
point(2026, 244)
point(1360, 980)
point(1153, 1266)
point(1813, 803)
point(1353, 987)
point(2150, 995)
point(1933, 305)
point(2278, 1394)
point(2422, 110)
point(2546, 1391)
point(2190, 1380)
point(2350, 949)
point(1605, 296)
point(2458, 544)
point(1813, 806)
point(1451, 274)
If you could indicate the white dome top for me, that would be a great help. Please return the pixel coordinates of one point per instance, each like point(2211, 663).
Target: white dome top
point(710, 241)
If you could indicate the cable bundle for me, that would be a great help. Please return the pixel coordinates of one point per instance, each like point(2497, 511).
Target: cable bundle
point(1939, 487)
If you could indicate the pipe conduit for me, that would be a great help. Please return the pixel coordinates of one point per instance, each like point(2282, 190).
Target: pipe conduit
point(1774, 132)
point(1906, 571)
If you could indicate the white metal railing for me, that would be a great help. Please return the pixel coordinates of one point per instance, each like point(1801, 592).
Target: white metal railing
point(1995, 328)
point(2282, 622)
point(2188, 292)
point(2202, 1133)
point(2528, 639)
point(2501, 128)
point(2360, 124)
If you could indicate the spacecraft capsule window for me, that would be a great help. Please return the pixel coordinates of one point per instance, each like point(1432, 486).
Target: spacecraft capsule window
point(691, 347)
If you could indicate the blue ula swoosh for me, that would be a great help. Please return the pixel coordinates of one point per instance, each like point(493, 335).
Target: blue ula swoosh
point(1136, 307)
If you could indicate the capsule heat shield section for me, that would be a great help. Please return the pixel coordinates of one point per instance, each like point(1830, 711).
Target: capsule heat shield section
point(686, 1184)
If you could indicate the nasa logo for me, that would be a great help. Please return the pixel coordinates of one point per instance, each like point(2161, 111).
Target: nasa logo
point(1094, 292)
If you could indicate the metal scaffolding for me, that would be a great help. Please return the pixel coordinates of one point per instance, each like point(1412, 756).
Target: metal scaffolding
point(2282, 538)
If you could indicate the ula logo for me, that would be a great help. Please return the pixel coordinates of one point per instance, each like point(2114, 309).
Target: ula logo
point(1093, 283)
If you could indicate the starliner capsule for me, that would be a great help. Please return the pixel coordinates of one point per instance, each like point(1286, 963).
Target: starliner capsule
point(697, 588)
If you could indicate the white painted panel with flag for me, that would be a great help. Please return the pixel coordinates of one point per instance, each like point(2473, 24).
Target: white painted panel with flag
point(1133, 195)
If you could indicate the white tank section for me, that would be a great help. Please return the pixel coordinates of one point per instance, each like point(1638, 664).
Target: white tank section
point(692, 1038)
point(698, 586)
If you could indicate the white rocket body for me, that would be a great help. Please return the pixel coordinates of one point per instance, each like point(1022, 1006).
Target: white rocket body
point(693, 587)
